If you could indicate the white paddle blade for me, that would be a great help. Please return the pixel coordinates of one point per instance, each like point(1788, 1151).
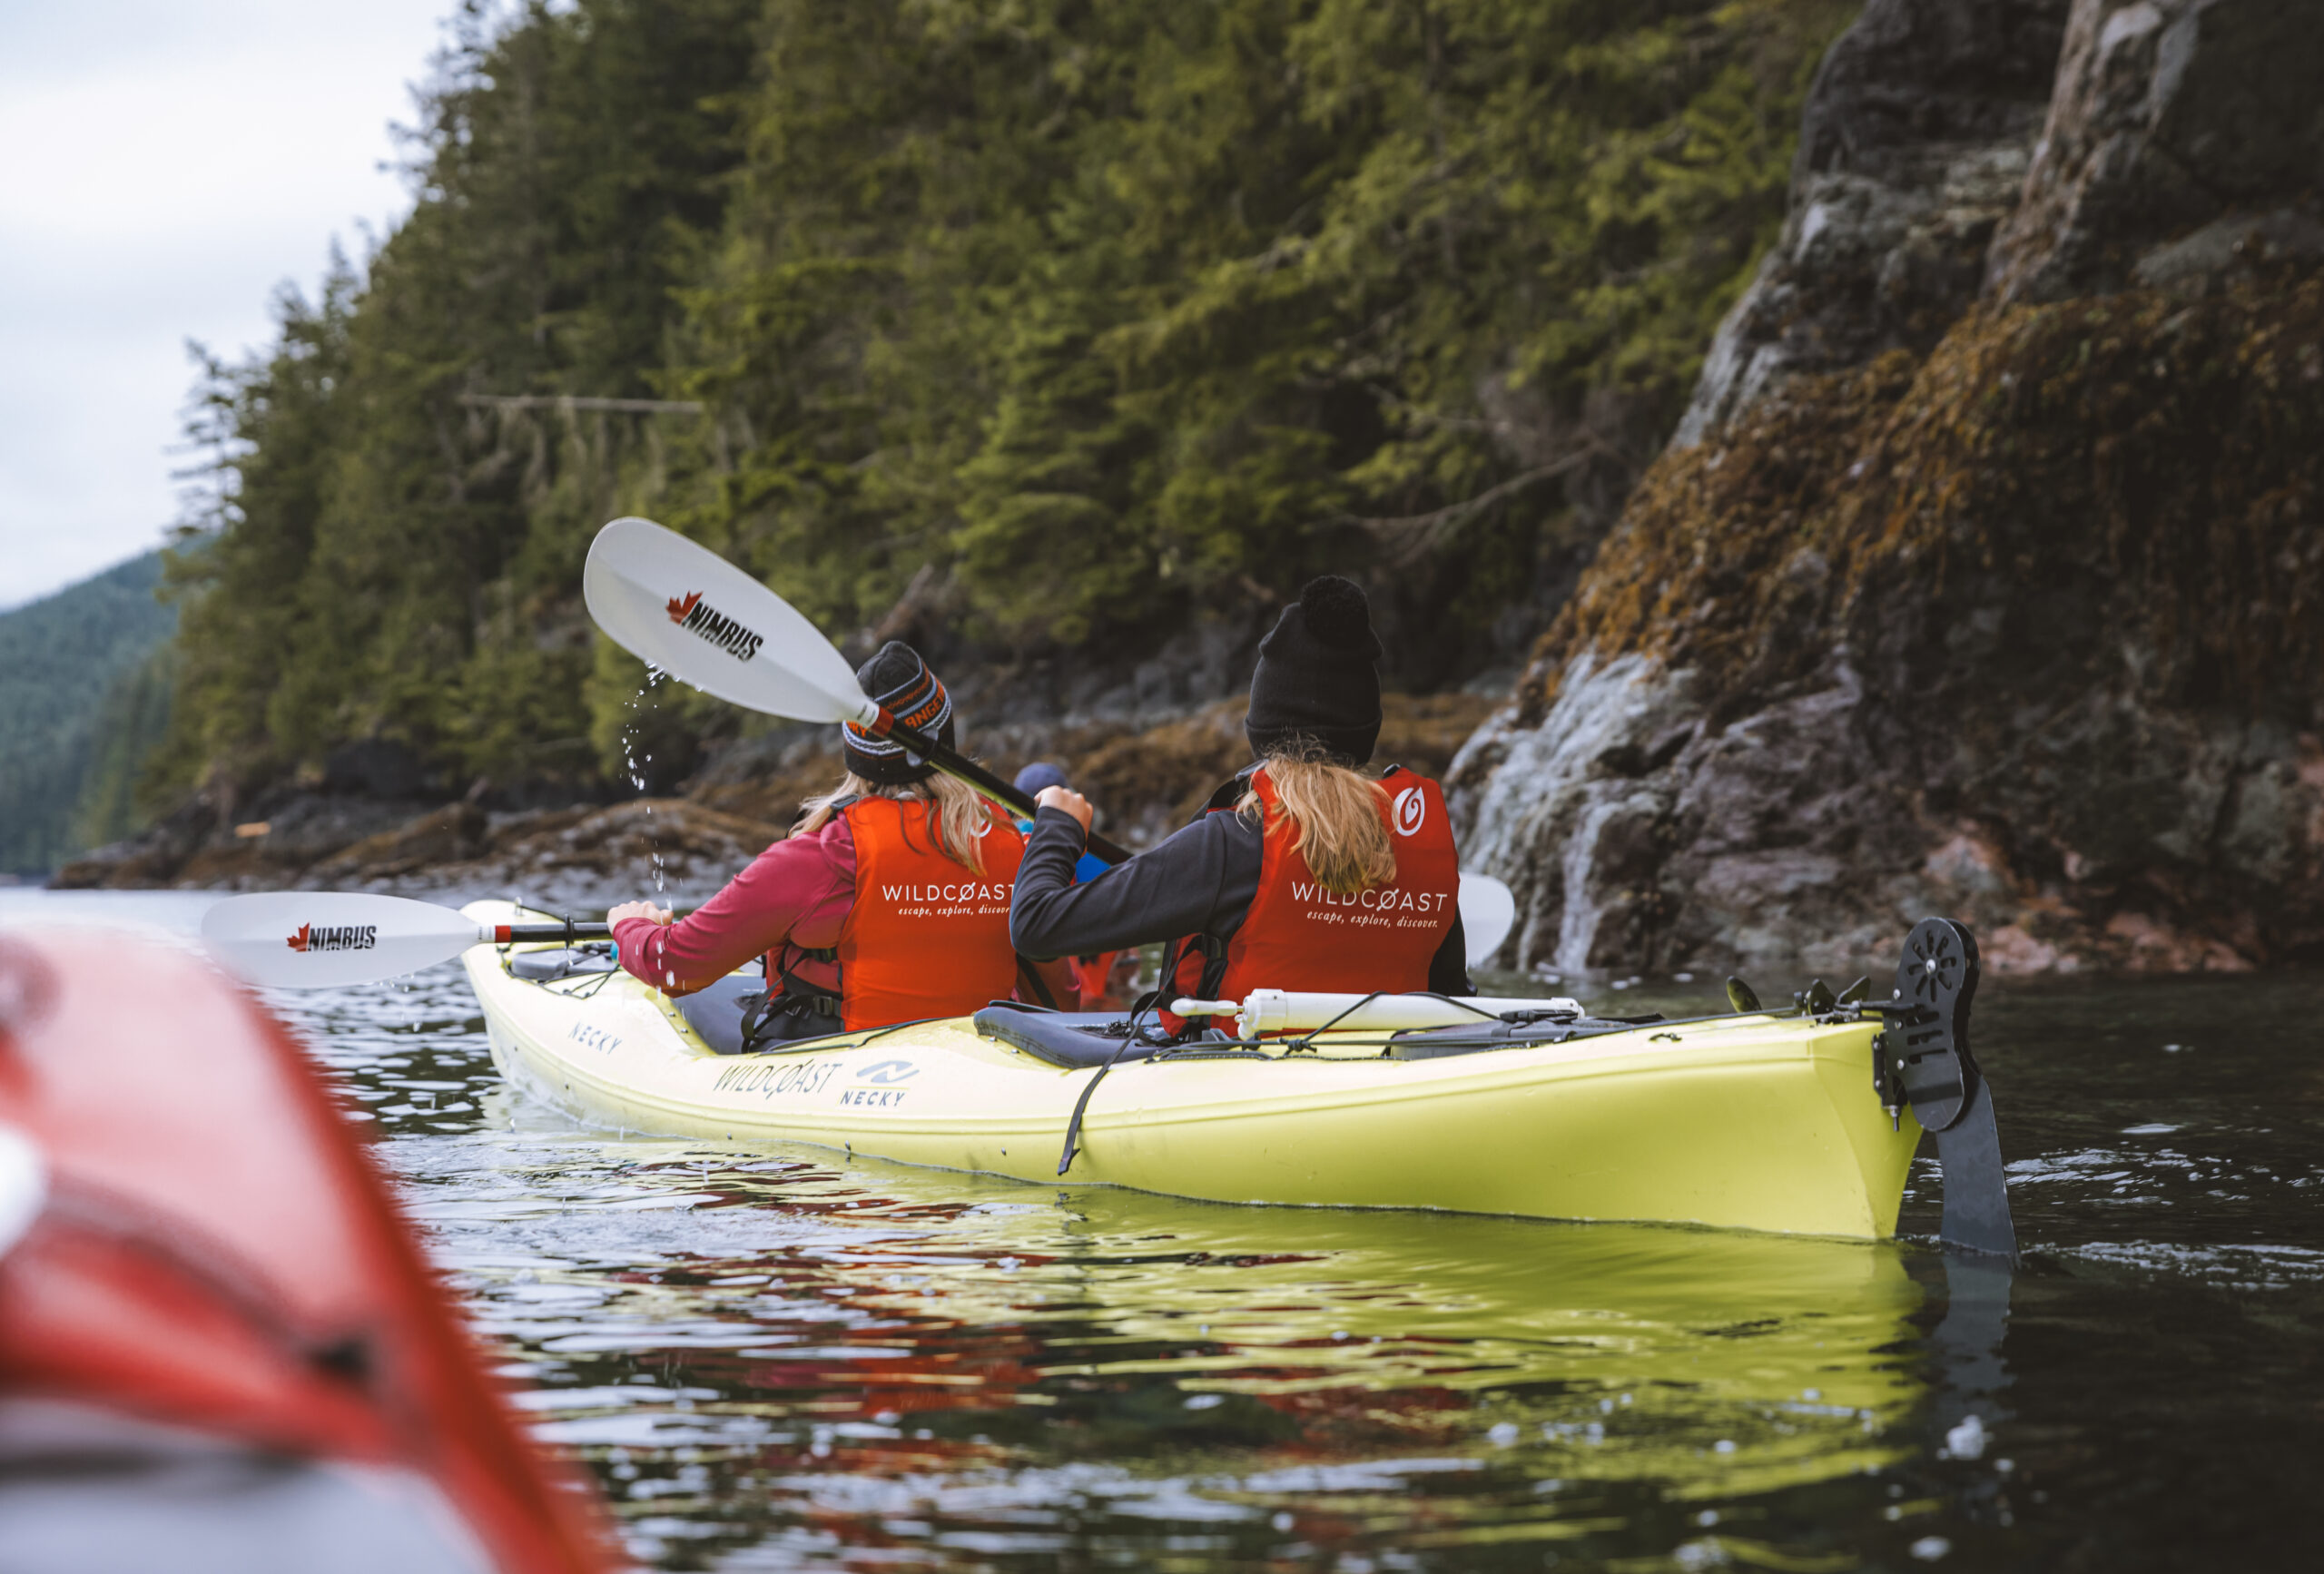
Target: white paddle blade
point(1488, 912)
point(307, 939)
point(678, 605)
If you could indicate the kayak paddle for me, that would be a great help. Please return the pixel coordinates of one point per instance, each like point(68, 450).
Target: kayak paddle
point(314, 939)
point(677, 606)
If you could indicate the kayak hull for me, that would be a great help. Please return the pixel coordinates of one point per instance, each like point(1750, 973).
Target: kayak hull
point(1751, 1123)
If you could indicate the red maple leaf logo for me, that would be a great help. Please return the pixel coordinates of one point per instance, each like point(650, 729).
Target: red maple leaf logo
point(297, 943)
point(679, 606)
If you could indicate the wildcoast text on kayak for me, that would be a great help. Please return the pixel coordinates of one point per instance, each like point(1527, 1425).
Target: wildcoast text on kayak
point(335, 938)
point(697, 616)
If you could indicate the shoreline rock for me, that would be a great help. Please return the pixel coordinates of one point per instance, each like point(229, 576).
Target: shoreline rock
point(1147, 781)
point(2008, 605)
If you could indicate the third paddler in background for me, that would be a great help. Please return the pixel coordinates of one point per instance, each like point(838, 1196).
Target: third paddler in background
point(1302, 873)
point(888, 903)
point(1104, 979)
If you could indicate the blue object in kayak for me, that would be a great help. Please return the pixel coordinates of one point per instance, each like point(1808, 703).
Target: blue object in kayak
point(1090, 867)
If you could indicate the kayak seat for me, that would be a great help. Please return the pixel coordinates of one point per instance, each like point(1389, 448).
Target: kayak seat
point(715, 1012)
point(1075, 1040)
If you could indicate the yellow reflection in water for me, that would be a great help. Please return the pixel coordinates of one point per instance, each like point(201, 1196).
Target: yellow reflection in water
point(1714, 1361)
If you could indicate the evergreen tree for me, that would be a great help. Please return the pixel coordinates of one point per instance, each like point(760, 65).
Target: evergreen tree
point(65, 663)
point(1097, 316)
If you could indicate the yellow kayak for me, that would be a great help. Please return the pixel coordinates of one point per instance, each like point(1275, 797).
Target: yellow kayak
point(1751, 1121)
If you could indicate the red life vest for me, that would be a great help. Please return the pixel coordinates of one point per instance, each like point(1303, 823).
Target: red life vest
point(1299, 936)
point(926, 937)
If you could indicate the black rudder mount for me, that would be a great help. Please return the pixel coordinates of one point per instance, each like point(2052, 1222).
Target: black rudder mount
point(1921, 1058)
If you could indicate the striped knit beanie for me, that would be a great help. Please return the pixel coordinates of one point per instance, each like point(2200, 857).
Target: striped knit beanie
point(898, 679)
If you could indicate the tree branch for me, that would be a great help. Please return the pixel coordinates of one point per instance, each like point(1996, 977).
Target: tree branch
point(580, 402)
point(1410, 537)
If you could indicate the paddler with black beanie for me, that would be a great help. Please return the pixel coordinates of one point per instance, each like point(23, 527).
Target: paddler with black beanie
point(1302, 873)
point(888, 901)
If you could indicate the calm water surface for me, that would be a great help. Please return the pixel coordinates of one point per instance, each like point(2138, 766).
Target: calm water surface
point(776, 1358)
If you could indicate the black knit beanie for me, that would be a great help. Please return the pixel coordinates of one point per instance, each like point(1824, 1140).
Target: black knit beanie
point(1315, 677)
point(898, 679)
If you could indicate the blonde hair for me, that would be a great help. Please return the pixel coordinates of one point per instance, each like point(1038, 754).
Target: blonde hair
point(962, 817)
point(1342, 817)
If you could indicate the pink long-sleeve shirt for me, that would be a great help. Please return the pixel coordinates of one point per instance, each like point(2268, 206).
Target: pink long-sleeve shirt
point(793, 898)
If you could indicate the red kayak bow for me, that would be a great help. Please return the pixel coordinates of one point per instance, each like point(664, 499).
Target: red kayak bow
point(206, 1265)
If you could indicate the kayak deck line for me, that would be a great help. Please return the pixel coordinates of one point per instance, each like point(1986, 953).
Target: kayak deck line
point(1766, 1122)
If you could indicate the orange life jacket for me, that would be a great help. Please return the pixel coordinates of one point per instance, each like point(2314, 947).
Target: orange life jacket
point(1093, 980)
point(926, 937)
point(1299, 936)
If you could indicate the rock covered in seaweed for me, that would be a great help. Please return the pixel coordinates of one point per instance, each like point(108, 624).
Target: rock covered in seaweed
point(1913, 148)
point(2025, 624)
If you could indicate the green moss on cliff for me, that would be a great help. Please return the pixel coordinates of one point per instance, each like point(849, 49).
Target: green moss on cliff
point(2125, 490)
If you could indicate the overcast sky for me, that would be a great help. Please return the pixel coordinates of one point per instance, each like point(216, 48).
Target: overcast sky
point(164, 165)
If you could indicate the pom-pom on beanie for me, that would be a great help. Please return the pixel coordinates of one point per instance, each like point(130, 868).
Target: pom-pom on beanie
point(1316, 678)
point(898, 680)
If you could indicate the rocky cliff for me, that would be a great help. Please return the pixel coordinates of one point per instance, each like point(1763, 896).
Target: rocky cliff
point(1985, 573)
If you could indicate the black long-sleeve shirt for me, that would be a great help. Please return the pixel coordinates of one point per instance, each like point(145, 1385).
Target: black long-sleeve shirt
point(1201, 880)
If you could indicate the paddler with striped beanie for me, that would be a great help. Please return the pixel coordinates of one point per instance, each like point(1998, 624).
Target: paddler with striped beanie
point(1303, 872)
point(888, 903)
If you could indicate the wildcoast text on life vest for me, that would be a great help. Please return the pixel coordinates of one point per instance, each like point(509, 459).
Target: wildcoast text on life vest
point(965, 890)
point(1385, 900)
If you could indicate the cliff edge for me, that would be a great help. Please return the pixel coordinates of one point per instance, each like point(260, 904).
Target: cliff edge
point(1984, 574)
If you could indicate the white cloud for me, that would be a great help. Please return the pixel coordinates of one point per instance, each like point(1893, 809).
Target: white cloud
point(168, 167)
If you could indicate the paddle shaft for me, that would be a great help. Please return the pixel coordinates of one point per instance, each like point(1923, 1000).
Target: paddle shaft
point(568, 931)
point(977, 776)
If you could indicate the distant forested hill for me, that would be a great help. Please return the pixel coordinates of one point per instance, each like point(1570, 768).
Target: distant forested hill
point(1063, 323)
point(84, 694)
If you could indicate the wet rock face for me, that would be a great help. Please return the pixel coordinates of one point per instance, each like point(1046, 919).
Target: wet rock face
point(1677, 842)
point(1986, 575)
point(2165, 112)
point(2031, 633)
point(1913, 147)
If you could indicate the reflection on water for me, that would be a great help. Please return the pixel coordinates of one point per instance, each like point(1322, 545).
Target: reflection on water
point(868, 1357)
point(779, 1358)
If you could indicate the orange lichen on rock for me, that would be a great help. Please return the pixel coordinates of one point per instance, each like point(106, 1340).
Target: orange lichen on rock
point(2030, 631)
point(2168, 454)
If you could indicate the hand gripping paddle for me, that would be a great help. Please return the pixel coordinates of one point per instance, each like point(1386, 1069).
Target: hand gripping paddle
point(313, 939)
point(684, 609)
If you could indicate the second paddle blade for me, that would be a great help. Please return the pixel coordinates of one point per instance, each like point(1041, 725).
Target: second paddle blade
point(306, 940)
point(1488, 911)
point(684, 609)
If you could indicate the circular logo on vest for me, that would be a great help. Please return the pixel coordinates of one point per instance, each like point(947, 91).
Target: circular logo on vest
point(1410, 807)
